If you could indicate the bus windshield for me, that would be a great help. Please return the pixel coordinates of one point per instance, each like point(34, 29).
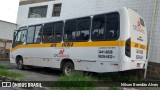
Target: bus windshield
point(19, 37)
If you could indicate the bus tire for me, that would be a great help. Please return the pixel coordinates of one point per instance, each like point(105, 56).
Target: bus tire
point(20, 65)
point(68, 68)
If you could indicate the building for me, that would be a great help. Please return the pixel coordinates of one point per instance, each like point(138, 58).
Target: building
point(7, 29)
point(6, 35)
point(39, 11)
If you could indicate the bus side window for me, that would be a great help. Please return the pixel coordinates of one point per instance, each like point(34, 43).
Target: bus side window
point(83, 28)
point(98, 27)
point(112, 26)
point(19, 37)
point(38, 34)
point(30, 34)
point(23, 37)
point(47, 32)
point(58, 29)
point(70, 31)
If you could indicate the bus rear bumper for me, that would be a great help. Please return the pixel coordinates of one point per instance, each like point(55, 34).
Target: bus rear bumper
point(134, 64)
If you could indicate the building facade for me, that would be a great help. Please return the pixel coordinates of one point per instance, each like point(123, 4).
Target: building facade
point(40, 11)
point(6, 35)
point(7, 29)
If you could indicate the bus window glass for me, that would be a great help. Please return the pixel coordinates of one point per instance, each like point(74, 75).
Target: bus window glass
point(70, 30)
point(57, 34)
point(47, 32)
point(21, 36)
point(30, 34)
point(83, 27)
point(98, 30)
point(112, 26)
point(38, 34)
point(18, 38)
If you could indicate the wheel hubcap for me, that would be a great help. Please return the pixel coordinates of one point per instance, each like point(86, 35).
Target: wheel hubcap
point(68, 70)
point(20, 64)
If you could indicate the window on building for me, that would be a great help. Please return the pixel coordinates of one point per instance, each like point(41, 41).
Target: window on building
point(37, 12)
point(56, 9)
point(70, 30)
point(83, 28)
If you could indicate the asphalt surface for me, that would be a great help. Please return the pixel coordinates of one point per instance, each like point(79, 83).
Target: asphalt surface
point(33, 74)
point(36, 73)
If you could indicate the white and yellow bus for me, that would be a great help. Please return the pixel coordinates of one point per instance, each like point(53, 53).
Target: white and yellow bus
point(105, 42)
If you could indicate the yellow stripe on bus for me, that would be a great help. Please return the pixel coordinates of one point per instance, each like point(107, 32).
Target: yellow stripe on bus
point(80, 44)
point(138, 45)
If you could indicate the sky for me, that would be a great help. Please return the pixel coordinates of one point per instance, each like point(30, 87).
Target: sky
point(9, 10)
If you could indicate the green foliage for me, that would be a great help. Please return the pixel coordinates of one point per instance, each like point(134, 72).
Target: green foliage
point(2, 67)
point(111, 77)
point(119, 77)
point(77, 76)
point(76, 81)
point(114, 88)
point(11, 74)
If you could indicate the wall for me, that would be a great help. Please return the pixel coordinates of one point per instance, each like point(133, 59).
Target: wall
point(23, 2)
point(8, 45)
point(154, 52)
point(6, 35)
point(6, 30)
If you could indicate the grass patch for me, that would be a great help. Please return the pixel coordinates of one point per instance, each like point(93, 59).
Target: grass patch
point(2, 67)
point(77, 77)
point(15, 75)
point(119, 77)
point(76, 81)
point(114, 88)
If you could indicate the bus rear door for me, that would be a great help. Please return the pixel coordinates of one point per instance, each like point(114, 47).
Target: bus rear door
point(138, 39)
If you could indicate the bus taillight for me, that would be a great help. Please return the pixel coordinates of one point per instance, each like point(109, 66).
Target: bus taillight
point(128, 47)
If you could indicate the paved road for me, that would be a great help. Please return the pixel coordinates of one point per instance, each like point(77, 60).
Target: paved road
point(34, 74)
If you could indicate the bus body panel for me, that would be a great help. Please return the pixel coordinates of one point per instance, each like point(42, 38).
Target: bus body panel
point(138, 36)
point(84, 58)
point(138, 43)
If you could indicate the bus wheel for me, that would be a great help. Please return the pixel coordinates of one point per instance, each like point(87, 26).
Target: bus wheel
point(68, 68)
point(20, 64)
